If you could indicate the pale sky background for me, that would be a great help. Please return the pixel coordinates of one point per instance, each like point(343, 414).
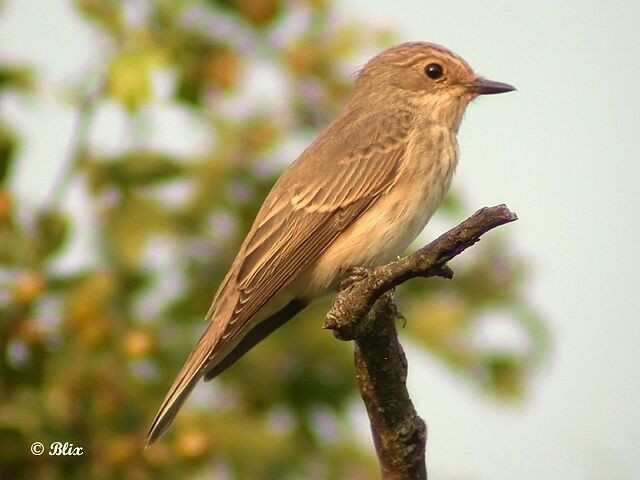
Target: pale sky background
point(562, 152)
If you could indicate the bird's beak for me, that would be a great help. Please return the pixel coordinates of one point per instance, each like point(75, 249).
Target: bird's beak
point(482, 86)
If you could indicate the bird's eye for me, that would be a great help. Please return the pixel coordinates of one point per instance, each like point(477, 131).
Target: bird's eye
point(433, 71)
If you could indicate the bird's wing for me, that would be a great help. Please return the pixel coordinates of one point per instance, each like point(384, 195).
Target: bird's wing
point(321, 194)
point(300, 220)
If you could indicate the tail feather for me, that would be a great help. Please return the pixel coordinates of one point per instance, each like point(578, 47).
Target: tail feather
point(255, 335)
point(209, 358)
point(205, 354)
point(192, 371)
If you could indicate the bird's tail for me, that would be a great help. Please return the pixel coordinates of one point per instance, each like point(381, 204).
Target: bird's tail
point(192, 371)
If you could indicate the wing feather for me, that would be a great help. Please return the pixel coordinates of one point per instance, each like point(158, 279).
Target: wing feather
point(301, 218)
point(305, 230)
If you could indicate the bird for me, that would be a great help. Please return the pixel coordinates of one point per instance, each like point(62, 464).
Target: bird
point(357, 196)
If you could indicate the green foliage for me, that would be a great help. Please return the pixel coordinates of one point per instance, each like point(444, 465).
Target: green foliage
point(8, 145)
point(15, 77)
point(87, 355)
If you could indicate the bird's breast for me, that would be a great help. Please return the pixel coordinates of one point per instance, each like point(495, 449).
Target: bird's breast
point(396, 218)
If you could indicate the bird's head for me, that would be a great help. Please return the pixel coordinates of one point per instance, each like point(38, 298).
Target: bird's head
point(429, 78)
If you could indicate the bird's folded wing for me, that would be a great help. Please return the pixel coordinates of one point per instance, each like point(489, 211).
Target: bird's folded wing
point(300, 220)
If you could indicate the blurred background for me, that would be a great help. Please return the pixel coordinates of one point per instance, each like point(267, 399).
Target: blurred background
point(137, 140)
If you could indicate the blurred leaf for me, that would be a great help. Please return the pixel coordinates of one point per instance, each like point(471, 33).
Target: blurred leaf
point(50, 232)
point(536, 331)
point(13, 238)
point(28, 287)
point(453, 205)
point(258, 12)
point(107, 14)
point(447, 314)
point(207, 66)
point(138, 343)
point(505, 375)
point(128, 78)
point(8, 147)
point(129, 224)
point(10, 453)
point(6, 207)
point(261, 132)
point(210, 175)
point(88, 302)
point(16, 78)
point(491, 274)
point(134, 169)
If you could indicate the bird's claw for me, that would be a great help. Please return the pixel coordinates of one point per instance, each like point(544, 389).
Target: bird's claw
point(353, 275)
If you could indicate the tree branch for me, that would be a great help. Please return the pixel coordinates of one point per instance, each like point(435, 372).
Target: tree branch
point(364, 311)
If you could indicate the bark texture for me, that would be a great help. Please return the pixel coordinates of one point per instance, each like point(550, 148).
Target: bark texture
point(364, 311)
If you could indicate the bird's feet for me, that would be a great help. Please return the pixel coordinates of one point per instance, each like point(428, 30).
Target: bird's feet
point(354, 275)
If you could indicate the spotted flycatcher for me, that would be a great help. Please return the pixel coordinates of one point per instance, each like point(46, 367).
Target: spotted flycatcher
point(357, 196)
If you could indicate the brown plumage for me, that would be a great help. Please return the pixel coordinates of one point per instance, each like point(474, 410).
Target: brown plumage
point(357, 196)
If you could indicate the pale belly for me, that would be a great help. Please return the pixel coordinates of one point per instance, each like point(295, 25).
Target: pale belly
point(384, 231)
